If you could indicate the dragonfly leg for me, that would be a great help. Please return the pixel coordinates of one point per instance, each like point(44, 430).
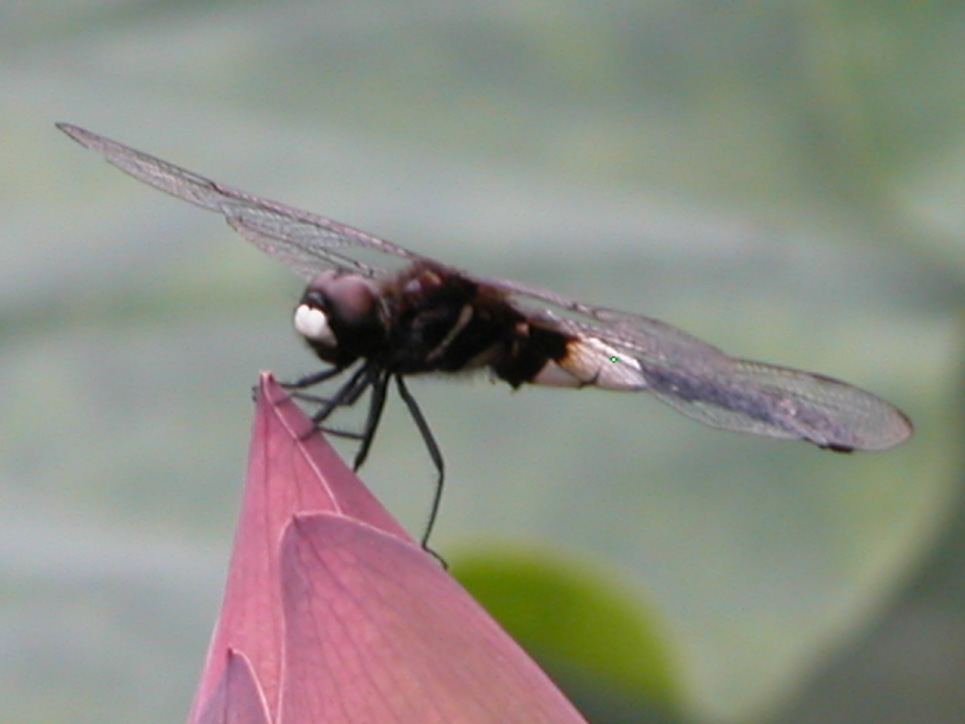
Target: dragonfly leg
point(379, 384)
point(433, 447)
point(313, 379)
point(346, 395)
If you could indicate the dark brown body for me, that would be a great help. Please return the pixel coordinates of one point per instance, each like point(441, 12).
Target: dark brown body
point(429, 318)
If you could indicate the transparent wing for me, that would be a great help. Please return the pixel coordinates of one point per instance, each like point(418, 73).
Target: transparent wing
point(627, 351)
point(306, 242)
point(611, 349)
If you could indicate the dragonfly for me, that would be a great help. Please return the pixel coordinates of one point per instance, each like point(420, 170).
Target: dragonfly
point(374, 325)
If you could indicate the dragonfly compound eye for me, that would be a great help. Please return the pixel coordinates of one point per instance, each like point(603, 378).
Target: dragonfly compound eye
point(353, 300)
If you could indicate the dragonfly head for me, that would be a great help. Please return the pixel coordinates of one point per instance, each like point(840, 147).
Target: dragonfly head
point(340, 316)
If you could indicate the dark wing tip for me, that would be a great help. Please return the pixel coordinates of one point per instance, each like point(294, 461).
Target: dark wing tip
point(834, 447)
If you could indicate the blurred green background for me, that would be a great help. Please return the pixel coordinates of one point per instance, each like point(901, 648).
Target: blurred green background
point(782, 179)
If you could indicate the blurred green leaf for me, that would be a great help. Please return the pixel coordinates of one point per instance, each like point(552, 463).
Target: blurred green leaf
point(578, 622)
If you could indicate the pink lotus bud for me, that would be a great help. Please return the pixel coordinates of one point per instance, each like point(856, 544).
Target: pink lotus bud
point(333, 613)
